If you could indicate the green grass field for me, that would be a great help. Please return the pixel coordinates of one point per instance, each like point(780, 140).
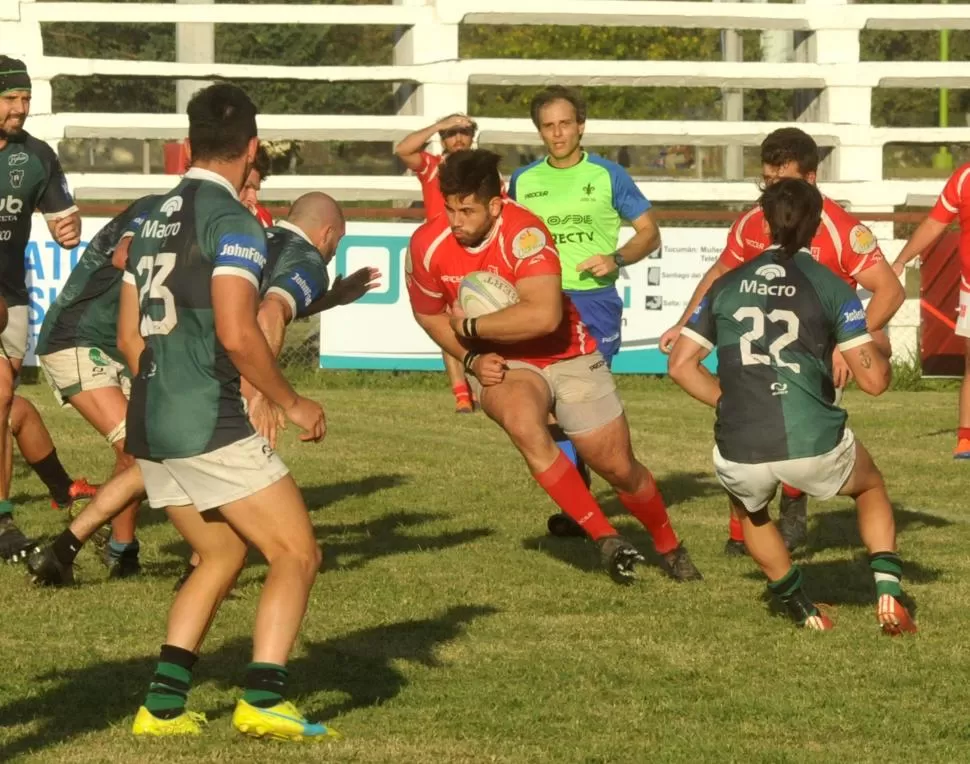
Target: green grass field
point(447, 627)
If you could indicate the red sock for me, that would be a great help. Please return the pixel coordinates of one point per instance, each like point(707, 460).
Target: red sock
point(462, 393)
point(565, 486)
point(735, 529)
point(791, 493)
point(648, 507)
point(963, 433)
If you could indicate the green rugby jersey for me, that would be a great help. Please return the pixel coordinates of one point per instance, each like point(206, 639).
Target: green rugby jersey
point(775, 322)
point(85, 313)
point(31, 179)
point(185, 399)
point(583, 207)
point(294, 268)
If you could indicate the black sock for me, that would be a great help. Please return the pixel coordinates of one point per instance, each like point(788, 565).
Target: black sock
point(58, 482)
point(66, 546)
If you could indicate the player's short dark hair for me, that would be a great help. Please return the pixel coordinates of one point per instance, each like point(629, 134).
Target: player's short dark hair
point(789, 144)
point(262, 164)
point(471, 172)
point(222, 122)
point(557, 93)
point(793, 211)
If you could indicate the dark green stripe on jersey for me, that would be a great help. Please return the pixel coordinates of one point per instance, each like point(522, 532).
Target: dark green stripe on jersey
point(185, 399)
point(85, 313)
point(776, 322)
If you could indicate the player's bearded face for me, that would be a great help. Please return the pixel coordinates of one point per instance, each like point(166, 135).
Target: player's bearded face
point(471, 219)
point(14, 108)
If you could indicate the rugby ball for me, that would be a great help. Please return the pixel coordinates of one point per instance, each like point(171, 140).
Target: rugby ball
point(481, 293)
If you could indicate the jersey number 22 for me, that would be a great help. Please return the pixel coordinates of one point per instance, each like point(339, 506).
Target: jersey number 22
point(757, 316)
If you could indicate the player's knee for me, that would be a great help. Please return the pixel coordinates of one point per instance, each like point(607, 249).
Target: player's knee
point(626, 474)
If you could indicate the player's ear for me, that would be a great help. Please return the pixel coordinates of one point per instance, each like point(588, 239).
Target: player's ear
point(251, 150)
point(495, 206)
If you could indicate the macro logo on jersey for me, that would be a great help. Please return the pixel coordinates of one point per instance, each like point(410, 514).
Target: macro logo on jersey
point(172, 205)
point(770, 272)
point(18, 159)
point(862, 240)
point(241, 251)
point(853, 316)
point(528, 242)
point(16, 178)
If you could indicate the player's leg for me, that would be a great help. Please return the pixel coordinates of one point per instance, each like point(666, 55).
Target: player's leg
point(520, 406)
point(962, 450)
point(37, 448)
point(223, 554)
point(52, 565)
point(877, 527)
point(592, 415)
point(105, 408)
point(14, 546)
point(459, 385)
point(750, 488)
point(260, 500)
point(601, 311)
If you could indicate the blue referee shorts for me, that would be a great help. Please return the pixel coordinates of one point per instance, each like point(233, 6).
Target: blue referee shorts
point(602, 312)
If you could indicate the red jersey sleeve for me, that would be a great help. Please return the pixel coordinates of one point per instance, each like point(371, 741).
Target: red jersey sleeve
point(532, 250)
point(955, 194)
point(860, 250)
point(428, 170)
point(744, 240)
point(424, 288)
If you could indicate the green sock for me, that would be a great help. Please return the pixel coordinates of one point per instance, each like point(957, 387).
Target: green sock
point(788, 589)
point(887, 569)
point(170, 685)
point(265, 684)
point(6, 507)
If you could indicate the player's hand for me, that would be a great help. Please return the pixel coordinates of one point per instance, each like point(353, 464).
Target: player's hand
point(458, 120)
point(598, 265)
point(266, 417)
point(840, 369)
point(898, 268)
point(356, 285)
point(489, 369)
point(668, 338)
point(309, 417)
point(67, 231)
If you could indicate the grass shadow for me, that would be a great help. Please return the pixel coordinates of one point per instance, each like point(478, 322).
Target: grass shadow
point(582, 554)
point(360, 666)
point(317, 497)
point(840, 529)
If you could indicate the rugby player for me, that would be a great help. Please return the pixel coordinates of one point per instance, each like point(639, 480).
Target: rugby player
point(952, 204)
point(249, 195)
point(292, 275)
point(843, 244)
point(188, 329)
point(31, 180)
point(456, 133)
point(533, 357)
point(775, 321)
point(78, 353)
point(583, 199)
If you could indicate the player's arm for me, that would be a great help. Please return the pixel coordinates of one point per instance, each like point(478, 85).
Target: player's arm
point(344, 291)
point(130, 342)
point(868, 364)
point(887, 293)
point(669, 337)
point(685, 369)
point(57, 205)
point(936, 222)
point(696, 340)
point(410, 148)
point(537, 313)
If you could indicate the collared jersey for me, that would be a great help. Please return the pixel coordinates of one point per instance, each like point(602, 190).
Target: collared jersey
point(517, 247)
point(583, 206)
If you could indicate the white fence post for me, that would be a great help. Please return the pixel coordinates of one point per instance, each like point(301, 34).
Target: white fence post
point(21, 39)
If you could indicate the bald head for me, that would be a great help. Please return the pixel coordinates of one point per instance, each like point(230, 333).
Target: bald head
point(321, 219)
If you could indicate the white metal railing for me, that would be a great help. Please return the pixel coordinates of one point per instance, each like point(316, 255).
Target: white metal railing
point(427, 56)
